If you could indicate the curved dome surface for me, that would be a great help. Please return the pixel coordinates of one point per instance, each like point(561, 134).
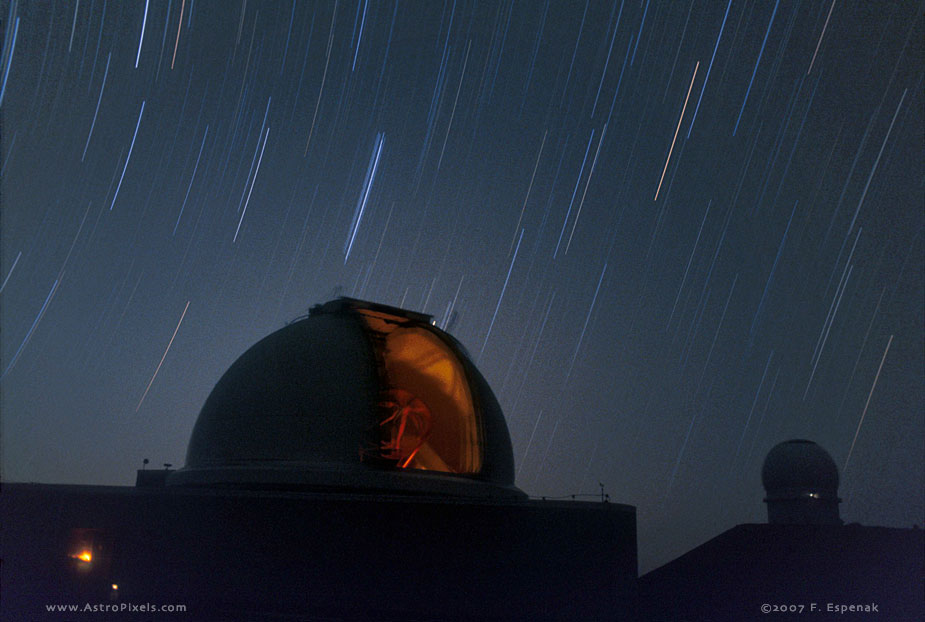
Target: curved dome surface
point(799, 466)
point(355, 397)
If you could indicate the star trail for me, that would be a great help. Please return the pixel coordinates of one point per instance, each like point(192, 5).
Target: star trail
point(676, 233)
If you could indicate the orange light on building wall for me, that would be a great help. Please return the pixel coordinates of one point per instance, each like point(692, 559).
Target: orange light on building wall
point(84, 556)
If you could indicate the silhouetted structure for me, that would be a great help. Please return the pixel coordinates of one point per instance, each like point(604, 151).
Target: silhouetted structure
point(804, 564)
point(801, 481)
point(356, 465)
point(352, 465)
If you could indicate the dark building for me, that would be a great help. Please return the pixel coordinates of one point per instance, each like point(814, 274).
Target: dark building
point(352, 465)
point(801, 481)
point(804, 564)
point(355, 465)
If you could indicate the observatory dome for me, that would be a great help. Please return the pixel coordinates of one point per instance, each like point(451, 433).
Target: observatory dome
point(355, 397)
point(799, 465)
point(801, 481)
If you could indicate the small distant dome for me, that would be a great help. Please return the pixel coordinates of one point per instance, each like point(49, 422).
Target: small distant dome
point(801, 481)
point(356, 397)
point(799, 465)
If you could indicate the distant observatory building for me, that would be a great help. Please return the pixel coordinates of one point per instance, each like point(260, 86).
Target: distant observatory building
point(801, 481)
point(803, 562)
point(352, 465)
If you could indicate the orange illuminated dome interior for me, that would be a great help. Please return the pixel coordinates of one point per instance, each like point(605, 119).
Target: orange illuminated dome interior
point(426, 414)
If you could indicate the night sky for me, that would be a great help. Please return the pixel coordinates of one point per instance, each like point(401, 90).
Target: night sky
point(671, 234)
